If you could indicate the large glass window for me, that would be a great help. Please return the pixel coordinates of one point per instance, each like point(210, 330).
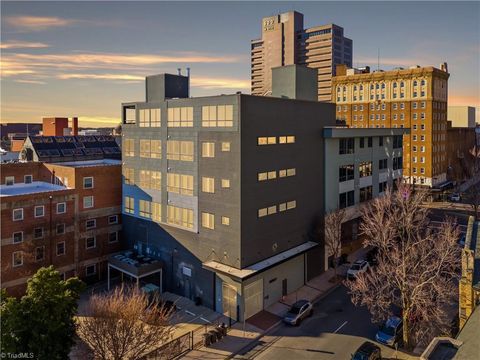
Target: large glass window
point(365, 193)
point(346, 199)
point(347, 146)
point(144, 148)
point(217, 116)
point(128, 147)
point(180, 216)
point(145, 209)
point(382, 164)
point(365, 168)
point(180, 184)
point(397, 163)
point(346, 172)
point(208, 220)
point(128, 176)
point(180, 150)
point(208, 149)
point(144, 182)
point(156, 212)
point(208, 184)
point(180, 117)
point(129, 205)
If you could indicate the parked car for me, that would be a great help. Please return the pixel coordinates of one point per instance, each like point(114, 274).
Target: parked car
point(299, 311)
point(390, 333)
point(367, 351)
point(455, 197)
point(359, 266)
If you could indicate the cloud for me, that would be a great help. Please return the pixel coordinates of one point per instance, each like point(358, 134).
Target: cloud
point(220, 83)
point(13, 44)
point(37, 23)
point(124, 77)
point(26, 81)
point(98, 121)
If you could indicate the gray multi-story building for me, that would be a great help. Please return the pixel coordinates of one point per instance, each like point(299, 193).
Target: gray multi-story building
point(361, 164)
point(227, 191)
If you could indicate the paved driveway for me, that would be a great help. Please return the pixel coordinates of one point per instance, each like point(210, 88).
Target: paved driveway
point(335, 331)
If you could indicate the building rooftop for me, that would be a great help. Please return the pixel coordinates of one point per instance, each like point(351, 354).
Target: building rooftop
point(31, 188)
point(344, 131)
point(260, 266)
point(472, 242)
point(470, 347)
point(89, 163)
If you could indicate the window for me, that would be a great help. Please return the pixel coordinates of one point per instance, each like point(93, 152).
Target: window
point(144, 117)
point(180, 150)
point(346, 146)
point(128, 147)
point(38, 233)
point(90, 270)
point(217, 116)
point(112, 237)
point(422, 137)
point(39, 253)
point(113, 219)
point(88, 182)
point(346, 199)
point(423, 104)
point(395, 106)
point(382, 187)
point(17, 237)
point(128, 176)
point(365, 168)
point(145, 209)
point(365, 193)
point(380, 141)
point(370, 142)
point(397, 141)
point(156, 212)
point(180, 184)
point(422, 126)
point(422, 170)
point(90, 242)
point(27, 179)
point(362, 142)
point(9, 180)
point(180, 216)
point(61, 248)
point(225, 220)
point(155, 118)
point(180, 117)
point(402, 106)
point(208, 184)
point(382, 164)
point(17, 214)
point(397, 163)
point(145, 179)
point(422, 115)
point(208, 149)
point(225, 146)
point(61, 208)
point(88, 202)
point(422, 148)
point(345, 173)
point(208, 220)
point(144, 148)
point(225, 183)
point(422, 159)
point(17, 258)
point(414, 105)
point(288, 139)
point(156, 180)
point(60, 229)
point(414, 137)
point(271, 140)
point(267, 211)
point(129, 205)
point(150, 117)
point(90, 224)
point(414, 127)
point(414, 148)
point(39, 211)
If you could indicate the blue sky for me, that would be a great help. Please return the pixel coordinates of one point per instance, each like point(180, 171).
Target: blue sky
point(85, 58)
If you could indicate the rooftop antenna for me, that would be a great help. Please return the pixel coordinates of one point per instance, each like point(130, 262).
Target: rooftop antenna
point(179, 71)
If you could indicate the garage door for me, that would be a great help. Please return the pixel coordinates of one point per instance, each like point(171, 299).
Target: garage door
point(253, 298)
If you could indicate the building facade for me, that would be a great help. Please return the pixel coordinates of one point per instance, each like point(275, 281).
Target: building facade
point(284, 41)
point(66, 215)
point(461, 141)
point(225, 192)
point(461, 116)
point(414, 98)
point(362, 164)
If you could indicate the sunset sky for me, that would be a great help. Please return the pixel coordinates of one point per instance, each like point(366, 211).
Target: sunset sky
point(85, 58)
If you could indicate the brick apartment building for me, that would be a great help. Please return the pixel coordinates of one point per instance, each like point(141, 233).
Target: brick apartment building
point(65, 214)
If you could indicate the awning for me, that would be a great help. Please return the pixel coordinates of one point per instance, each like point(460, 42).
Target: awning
point(249, 271)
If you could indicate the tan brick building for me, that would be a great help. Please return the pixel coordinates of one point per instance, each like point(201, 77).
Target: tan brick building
point(414, 98)
point(65, 214)
point(284, 41)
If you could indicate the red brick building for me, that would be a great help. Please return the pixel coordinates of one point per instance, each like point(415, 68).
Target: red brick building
point(65, 214)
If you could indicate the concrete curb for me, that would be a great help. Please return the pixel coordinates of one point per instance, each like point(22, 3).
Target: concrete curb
point(271, 328)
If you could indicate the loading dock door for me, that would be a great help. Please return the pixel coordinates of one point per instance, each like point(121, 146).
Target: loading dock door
point(253, 298)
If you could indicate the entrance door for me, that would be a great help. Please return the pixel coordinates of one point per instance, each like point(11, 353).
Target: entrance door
point(229, 301)
point(253, 298)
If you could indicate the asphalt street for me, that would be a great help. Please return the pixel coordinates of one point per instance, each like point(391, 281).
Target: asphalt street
point(336, 329)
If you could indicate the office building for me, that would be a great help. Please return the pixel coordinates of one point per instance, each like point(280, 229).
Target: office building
point(461, 141)
point(461, 116)
point(226, 192)
point(362, 164)
point(284, 41)
point(65, 214)
point(414, 98)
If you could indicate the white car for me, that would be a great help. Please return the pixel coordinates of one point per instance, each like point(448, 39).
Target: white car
point(359, 266)
point(455, 197)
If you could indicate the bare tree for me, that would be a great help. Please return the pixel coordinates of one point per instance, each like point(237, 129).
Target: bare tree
point(333, 235)
point(418, 267)
point(124, 324)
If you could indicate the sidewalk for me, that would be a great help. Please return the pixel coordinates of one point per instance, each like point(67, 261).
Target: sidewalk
point(237, 339)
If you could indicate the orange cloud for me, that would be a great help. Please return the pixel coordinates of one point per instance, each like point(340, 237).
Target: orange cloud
point(26, 81)
point(22, 45)
point(124, 77)
point(37, 23)
point(220, 83)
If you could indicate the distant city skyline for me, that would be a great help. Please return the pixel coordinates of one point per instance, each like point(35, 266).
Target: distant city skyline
point(85, 58)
